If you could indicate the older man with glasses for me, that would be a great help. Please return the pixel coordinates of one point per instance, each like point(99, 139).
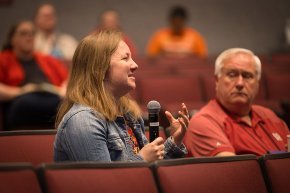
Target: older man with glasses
point(231, 124)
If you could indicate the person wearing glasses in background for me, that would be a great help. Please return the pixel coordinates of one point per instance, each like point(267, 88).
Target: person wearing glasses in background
point(31, 84)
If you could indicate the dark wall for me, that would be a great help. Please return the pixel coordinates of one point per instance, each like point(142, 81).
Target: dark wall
point(254, 24)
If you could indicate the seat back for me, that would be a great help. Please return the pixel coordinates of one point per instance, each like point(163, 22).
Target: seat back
point(212, 174)
point(18, 177)
point(277, 86)
point(278, 59)
point(88, 177)
point(170, 91)
point(208, 83)
point(35, 146)
point(276, 169)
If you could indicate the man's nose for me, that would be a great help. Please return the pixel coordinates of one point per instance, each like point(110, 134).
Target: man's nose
point(240, 82)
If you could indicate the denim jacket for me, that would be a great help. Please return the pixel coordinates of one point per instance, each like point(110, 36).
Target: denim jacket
point(85, 135)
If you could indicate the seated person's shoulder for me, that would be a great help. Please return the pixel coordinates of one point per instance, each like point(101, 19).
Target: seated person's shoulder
point(162, 31)
point(64, 38)
point(210, 112)
point(4, 55)
point(191, 30)
point(205, 121)
point(264, 111)
point(80, 113)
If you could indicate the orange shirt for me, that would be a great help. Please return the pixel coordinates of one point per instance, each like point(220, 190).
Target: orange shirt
point(12, 73)
point(164, 42)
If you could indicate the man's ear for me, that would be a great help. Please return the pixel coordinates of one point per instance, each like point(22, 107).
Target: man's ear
point(216, 81)
point(216, 78)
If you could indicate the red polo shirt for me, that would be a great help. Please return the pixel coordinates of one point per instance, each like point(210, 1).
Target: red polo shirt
point(212, 131)
point(12, 73)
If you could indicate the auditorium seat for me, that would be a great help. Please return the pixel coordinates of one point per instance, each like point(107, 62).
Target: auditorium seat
point(276, 169)
point(274, 105)
point(211, 175)
point(281, 59)
point(143, 61)
point(18, 178)
point(264, 58)
point(277, 86)
point(283, 68)
point(180, 61)
point(171, 91)
point(208, 86)
point(35, 146)
point(92, 177)
point(172, 65)
point(262, 94)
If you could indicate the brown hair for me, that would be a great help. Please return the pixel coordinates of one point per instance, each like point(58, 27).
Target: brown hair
point(90, 64)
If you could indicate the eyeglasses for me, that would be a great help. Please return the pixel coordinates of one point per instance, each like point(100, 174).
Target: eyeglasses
point(25, 33)
point(234, 74)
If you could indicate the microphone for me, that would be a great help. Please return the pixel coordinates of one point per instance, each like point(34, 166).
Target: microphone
point(153, 110)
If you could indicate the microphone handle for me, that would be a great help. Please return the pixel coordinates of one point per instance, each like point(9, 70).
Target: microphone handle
point(153, 126)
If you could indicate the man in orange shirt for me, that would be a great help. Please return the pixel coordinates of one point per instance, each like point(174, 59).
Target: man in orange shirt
point(177, 40)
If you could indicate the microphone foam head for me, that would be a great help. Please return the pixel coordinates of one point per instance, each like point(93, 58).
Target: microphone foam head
point(153, 107)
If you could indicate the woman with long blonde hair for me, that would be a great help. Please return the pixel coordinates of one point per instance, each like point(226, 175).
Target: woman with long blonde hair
point(97, 120)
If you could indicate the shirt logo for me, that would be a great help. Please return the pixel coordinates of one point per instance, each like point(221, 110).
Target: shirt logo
point(218, 144)
point(277, 136)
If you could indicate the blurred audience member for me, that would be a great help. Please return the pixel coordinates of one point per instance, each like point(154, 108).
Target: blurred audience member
point(110, 19)
point(50, 41)
point(230, 124)
point(177, 39)
point(30, 83)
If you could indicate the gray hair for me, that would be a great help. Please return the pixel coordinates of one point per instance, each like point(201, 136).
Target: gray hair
point(232, 51)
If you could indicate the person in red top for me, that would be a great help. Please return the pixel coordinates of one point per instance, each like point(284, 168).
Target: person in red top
point(31, 84)
point(230, 124)
point(177, 40)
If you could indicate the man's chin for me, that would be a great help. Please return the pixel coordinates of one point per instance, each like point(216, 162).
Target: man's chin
point(241, 101)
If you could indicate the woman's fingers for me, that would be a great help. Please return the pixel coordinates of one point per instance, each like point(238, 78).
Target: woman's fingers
point(183, 125)
point(161, 155)
point(185, 110)
point(184, 117)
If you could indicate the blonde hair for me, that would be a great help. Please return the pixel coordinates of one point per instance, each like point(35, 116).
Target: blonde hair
point(90, 64)
point(232, 51)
